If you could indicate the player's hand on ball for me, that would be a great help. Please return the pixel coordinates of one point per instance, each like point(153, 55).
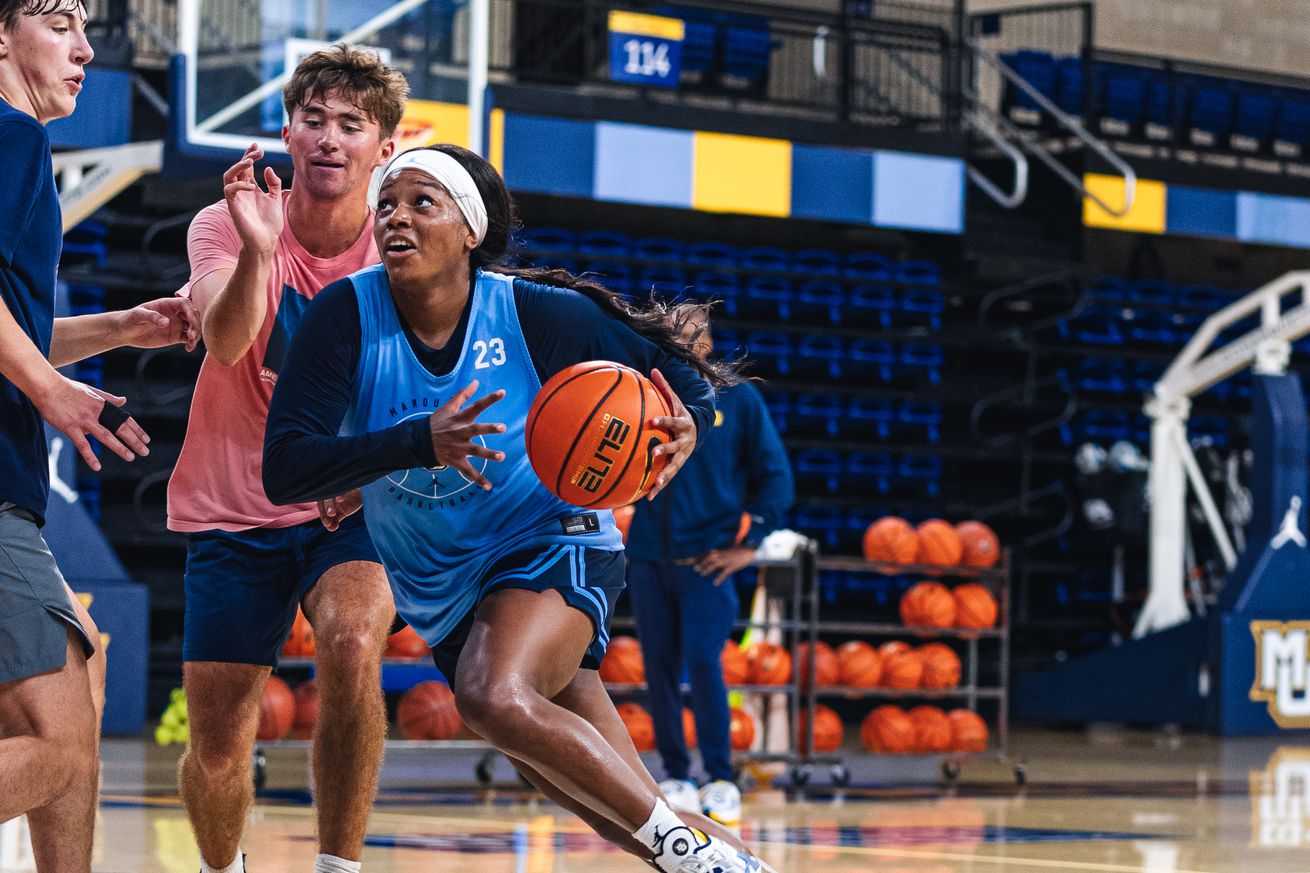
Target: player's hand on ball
point(725, 562)
point(682, 427)
point(454, 428)
point(333, 511)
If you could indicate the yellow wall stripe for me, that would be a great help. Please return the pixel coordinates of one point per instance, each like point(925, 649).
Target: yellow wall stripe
point(647, 25)
point(743, 174)
point(1147, 214)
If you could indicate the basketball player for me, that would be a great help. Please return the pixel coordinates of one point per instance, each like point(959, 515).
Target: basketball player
point(257, 259)
point(52, 667)
point(682, 550)
point(510, 586)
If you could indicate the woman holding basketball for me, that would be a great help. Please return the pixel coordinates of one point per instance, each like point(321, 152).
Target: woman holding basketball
point(511, 587)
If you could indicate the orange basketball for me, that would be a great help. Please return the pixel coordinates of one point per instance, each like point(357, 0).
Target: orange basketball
point(639, 724)
point(891, 539)
point(941, 666)
point(622, 662)
point(300, 644)
point(902, 669)
point(939, 544)
point(427, 712)
point(768, 664)
point(980, 545)
point(406, 643)
point(741, 729)
point(592, 448)
point(858, 664)
point(827, 670)
point(887, 730)
point(975, 607)
point(932, 729)
point(928, 604)
point(827, 728)
point(968, 731)
point(306, 695)
point(736, 666)
point(277, 710)
point(688, 727)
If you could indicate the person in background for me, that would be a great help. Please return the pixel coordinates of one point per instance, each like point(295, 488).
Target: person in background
point(683, 548)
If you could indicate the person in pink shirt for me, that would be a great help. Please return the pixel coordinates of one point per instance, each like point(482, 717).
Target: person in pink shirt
point(257, 260)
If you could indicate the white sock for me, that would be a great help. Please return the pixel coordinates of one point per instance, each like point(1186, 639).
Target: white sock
point(333, 864)
point(661, 821)
point(238, 865)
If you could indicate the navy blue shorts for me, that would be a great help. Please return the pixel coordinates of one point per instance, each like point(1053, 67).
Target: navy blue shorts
point(242, 587)
point(589, 580)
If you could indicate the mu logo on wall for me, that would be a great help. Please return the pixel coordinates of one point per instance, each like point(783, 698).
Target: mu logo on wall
point(1282, 667)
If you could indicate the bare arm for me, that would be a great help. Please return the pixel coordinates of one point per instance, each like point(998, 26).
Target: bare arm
point(151, 325)
point(232, 302)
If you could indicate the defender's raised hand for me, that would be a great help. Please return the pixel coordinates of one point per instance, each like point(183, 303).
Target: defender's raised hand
point(256, 213)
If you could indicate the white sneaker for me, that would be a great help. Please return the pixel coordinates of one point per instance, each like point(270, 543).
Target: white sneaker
point(688, 850)
point(721, 801)
point(680, 794)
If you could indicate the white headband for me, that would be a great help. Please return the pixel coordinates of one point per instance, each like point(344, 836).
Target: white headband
point(452, 176)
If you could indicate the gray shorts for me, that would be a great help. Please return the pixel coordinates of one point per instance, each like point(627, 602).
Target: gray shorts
point(35, 614)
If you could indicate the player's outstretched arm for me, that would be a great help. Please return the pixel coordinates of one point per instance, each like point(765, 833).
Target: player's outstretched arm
point(152, 325)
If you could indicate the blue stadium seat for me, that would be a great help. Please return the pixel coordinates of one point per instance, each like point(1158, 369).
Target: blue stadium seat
point(921, 471)
point(1038, 68)
point(1098, 425)
point(817, 415)
point(925, 357)
point(616, 277)
point(665, 281)
point(1206, 298)
point(921, 307)
point(771, 352)
point(766, 259)
point(713, 254)
point(1151, 292)
point(552, 261)
point(747, 47)
point(1152, 328)
point(818, 302)
point(819, 356)
point(818, 471)
point(1069, 85)
point(1210, 106)
point(820, 262)
point(727, 342)
point(868, 473)
point(1096, 325)
point(871, 306)
point(1210, 428)
point(717, 286)
point(857, 521)
point(868, 266)
point(1108, 289)
point(1293, 124)
point(1101, 376)
point(659, 249)
point(1162, 101)
point(1123, 95)
point(869, 359)
point(765, 298)
point(604, 244)
point(1144, 375)
point(1255, 114)
point(919, 273)
point(86, 241)
point(551, 239)
point(869, 418)
point(918, 418)
point(823, 523)
point(779, 405)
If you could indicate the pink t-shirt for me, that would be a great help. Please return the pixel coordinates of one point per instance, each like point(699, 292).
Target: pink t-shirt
point(217, 483)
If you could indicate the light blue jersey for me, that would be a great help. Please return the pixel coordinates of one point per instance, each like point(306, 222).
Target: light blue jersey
point(436, 532)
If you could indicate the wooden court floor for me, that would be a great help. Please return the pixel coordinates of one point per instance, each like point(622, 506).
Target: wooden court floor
point(1095, 801)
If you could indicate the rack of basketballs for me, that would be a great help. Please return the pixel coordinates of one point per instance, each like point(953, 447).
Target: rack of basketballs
point(927, 676)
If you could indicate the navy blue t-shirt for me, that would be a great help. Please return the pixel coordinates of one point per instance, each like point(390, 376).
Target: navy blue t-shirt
point(31, 238)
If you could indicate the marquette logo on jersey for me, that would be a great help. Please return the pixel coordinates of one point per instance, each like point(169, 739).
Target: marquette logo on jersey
point(594, 469)
point(1282, 666)
point(1280, 800)
point(431, 488)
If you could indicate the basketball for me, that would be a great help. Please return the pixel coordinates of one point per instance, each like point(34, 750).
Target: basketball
point(622, 663)
point(968, 731)
point(427, 712)
point(736, 666)
point(902, 669)
point(741, 729)
point(306, 695)
point(941, 666)
point(980, 546)
point(768, 664)
point(827, 729)
point(639, 724)
point(932, 729)
point(689, 727)
point(300, 644)
point(939, 545)
point(826, 668)
point(592, 448)
point(406, 643)
point(887, 730)
point(928, 604)
point(277, 710)
point(858, 665)
point(975, 607)
point(891, 539)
